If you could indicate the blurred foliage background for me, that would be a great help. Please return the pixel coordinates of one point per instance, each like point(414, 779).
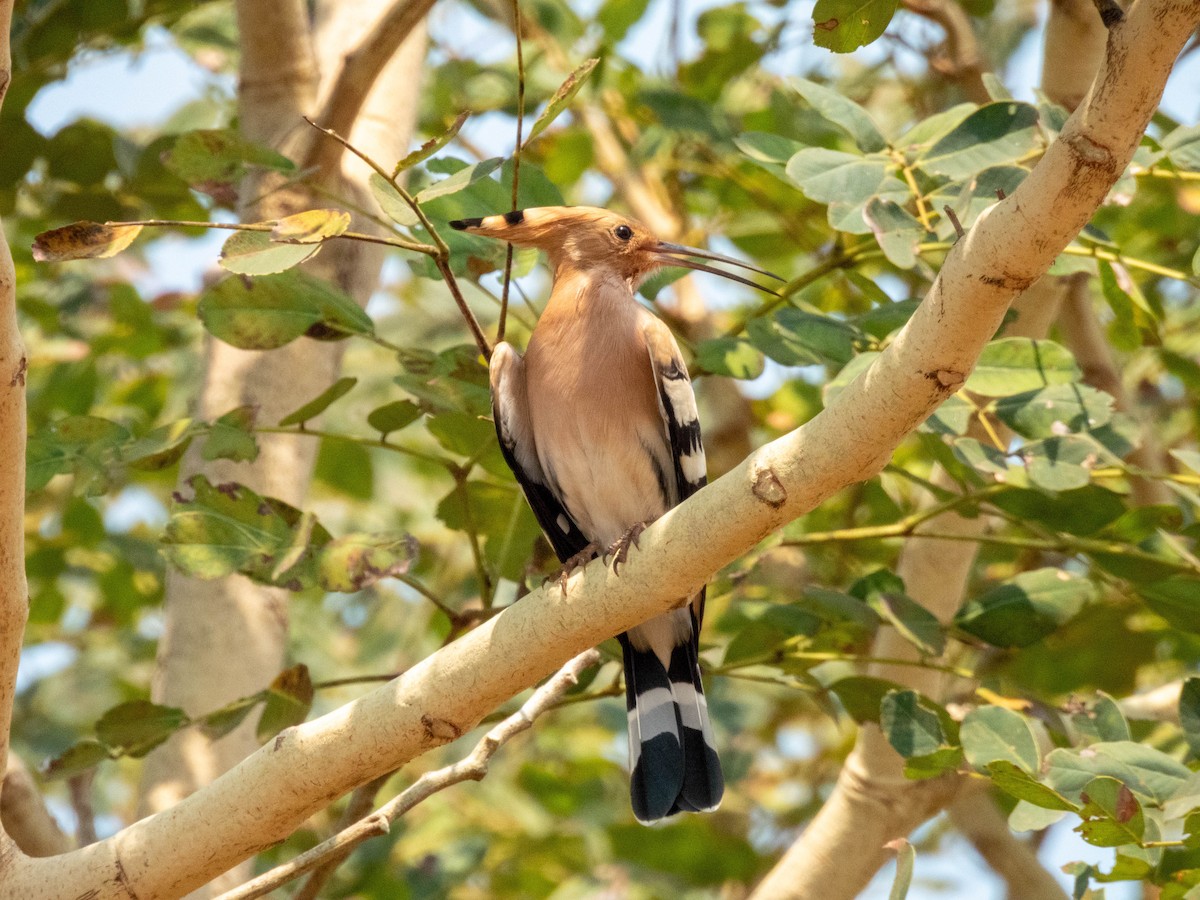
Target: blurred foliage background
point(832, 171)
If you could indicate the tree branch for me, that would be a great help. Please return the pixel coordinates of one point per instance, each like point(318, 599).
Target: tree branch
point(24, 815)
point(473, 768)
point(359, 71)
point(975, 814)
point(14, 591)
point(873, 801)
point(269, 794)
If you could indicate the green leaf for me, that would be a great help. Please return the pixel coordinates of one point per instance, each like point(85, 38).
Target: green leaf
point(1060, 463)
point(991, 733)
point(1112, 815)
point(1055, 410)
point(845, 25)
point(1175, 599)
point(1019, 365)
point(1025, 609)
point(1189, 713)
point(76, 759)
point(915, 623)
point(763, 147)
point(311, 226)
point(616, 17)
point(221, 722)
point(996, 133)
point(227, 528)
point(933, 765)
point(254, 253)
point(162, 446)
point(320, 403)
point(84, 240)
point(346, 466)
point(910, 727)
point(289, 700)
point(1016, 782)
point(461, 179)
point(219, 155)
point(842, 112)
point(1101, 720)
point(831, 175)
point(862, 696)
point(394, 206)
point(393, 416)
point(232, 436)
point(731, 357)
point(430, 147)
point(1025, 816)
point(271, 311)
point(796, 338)
point(896, 230)
point(1129, 316)
point(138, 726)
point(983, 458)
point(562, 97)
point(1146, 771)
point(355, 561)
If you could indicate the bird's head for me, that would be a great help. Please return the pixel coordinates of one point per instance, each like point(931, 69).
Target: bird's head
point(585, 238)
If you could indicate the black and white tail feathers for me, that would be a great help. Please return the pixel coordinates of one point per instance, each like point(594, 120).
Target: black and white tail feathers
point(672, 756)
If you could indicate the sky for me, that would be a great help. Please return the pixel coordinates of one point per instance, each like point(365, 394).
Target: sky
point(142, 90)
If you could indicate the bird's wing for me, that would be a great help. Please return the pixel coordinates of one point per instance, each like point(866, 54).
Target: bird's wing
point(510, 410)
point(677, 404)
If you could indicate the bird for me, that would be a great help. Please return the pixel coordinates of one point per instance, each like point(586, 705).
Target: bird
point(598, 423)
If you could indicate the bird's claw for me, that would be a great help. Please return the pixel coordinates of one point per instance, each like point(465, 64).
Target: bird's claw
point(573, 563)
point(619, 551)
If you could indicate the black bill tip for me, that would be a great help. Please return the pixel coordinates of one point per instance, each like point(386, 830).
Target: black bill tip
point(463, 224)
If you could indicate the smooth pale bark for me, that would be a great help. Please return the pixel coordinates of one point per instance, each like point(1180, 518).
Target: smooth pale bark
point(269, 794)
point(14, 590)
point(24, 816)
point(226, 639)
point(873, 803)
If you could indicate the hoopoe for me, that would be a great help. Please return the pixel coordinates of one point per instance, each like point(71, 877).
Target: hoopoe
point(598, 423)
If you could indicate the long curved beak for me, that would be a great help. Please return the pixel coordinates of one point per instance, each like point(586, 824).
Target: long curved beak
point(677, 255)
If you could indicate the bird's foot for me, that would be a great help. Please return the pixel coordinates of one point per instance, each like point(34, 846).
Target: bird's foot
point(573, 563)
point(619, 551)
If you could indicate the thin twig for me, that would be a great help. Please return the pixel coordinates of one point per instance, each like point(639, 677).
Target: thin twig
point(360, 804)
point(508, 255)
point(473, 768)
point(440, 255)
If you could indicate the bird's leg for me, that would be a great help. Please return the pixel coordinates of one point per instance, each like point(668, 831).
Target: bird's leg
point(619, 550)
point(578, 561)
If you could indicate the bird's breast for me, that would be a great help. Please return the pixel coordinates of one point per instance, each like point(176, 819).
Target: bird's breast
point(600, 437)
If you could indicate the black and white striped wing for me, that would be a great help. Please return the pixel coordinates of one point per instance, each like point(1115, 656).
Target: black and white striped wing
point(510, 410)
point(677, 403)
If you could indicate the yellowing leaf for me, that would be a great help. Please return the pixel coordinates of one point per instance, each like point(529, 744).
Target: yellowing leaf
point(311, 226)
point(84, 240)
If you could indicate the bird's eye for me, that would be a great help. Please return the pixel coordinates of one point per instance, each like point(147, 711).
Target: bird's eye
point(624, 232)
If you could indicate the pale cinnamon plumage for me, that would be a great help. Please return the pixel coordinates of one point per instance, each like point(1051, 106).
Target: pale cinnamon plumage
point(598, 422)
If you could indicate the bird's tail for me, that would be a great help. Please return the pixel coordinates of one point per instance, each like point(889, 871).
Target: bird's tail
point(672, 758)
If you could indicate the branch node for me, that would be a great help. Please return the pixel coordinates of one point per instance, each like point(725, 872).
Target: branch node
point(767, 487)
point(1110, 12)
point(440, 730)
point(947, 379)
